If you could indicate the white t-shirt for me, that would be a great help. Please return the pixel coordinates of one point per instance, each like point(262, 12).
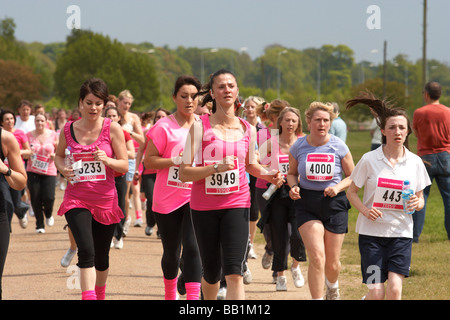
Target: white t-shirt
point(371, 170)
point(25, 126)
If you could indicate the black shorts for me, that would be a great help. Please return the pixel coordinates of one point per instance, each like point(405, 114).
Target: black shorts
point(381, 255)
point(332, 211)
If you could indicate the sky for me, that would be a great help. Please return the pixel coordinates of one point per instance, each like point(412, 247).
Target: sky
point(246, 25)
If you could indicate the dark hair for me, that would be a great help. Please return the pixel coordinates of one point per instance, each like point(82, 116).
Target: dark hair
point(5, 111)
point(24, 103)
point(433, 89)
point(381, 110)
point(118, 113)
point(167, 112)
point(186, 80)
point(206, 90)
point(95, 86)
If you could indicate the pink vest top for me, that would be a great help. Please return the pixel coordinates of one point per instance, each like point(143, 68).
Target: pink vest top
point(99, 197)
point(213, 148)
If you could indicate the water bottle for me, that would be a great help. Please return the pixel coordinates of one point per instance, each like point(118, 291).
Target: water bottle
point(68, 160)
point(33, 154)
point(407, 192)
point(269, 192)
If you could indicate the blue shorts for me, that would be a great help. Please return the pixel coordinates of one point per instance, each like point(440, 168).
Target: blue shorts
point(381, 255)
point(332, 211)
point(131, 168)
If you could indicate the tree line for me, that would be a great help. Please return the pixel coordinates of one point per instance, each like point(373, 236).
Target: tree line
point(52, 73)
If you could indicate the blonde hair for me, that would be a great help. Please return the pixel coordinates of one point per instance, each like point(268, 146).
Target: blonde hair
point(275, 108)
point(316, 105)
point(125, 94)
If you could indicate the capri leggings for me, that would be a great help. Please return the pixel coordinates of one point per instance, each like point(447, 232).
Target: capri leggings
point(226, 229)
point(176, 232)
point(4, 243)
point(93, 239)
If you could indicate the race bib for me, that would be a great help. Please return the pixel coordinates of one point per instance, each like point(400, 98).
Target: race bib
point(223, 182)
point(388, 194)
point(90, 169)
point(320, 166)
point(283, 164)
point(40, 164)
point(173, 179)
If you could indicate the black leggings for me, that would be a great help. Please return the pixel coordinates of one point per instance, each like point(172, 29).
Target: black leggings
point(176, 231)
point(223, 231)
point(93, 239)
point(4, 243)
point(284, 233)
point(121, 187)
point(148, 184)
point(42, 196)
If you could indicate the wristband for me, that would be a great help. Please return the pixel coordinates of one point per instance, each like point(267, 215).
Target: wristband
point(294, 185)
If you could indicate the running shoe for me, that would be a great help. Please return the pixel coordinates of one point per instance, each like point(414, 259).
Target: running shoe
point(266, 260)
point(138, 223)
point(251, 252)
point(332, 294)
point(67, 258)
point(50, 221)
point(248, 276)
point(281, 283)
point(297, 276)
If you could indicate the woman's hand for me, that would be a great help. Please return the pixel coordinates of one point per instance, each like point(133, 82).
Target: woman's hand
point(294, 193)
point(372, 214)
point(100, 155)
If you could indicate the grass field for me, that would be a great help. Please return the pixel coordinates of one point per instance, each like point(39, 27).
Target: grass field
point(430, 263)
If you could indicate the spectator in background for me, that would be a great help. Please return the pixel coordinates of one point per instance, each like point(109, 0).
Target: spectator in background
point(338, 126)
point(25, 120)
point(375, 134)
point(431, 125)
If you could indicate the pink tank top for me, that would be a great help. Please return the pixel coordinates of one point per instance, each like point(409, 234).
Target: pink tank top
point(99, 196)
point(224, 190)
point(169, 192)
point(42, 162)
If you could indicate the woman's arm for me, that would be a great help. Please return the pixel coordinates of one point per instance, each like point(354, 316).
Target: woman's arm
point(292, 178)
point(347, 166)
point(120, 162)
point(18, 177)
point(352, 196)
point(137, 133)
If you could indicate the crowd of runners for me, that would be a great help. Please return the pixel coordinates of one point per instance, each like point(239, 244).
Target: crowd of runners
point(211, 173)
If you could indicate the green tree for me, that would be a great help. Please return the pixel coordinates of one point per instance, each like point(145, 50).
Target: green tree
point(90, 54)
point(17, 82)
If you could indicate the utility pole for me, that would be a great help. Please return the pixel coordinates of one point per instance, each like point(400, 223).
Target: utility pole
point(263, 78)
point(424, 46)
point(384, 69)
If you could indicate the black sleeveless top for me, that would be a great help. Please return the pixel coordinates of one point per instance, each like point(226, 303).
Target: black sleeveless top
point(6, 203)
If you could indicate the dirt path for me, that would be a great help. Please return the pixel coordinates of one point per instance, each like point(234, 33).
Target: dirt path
point(33, 270)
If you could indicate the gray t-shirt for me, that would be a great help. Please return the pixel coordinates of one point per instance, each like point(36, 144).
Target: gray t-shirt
point(319, 167)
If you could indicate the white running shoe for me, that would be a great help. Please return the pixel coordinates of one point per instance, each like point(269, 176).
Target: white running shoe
point(251, 252)
point(297, 276)
point(50, 221)
point(126, 226)
point(118, 244)
point(281, 283)
point(67, 258)
point(138, 223)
